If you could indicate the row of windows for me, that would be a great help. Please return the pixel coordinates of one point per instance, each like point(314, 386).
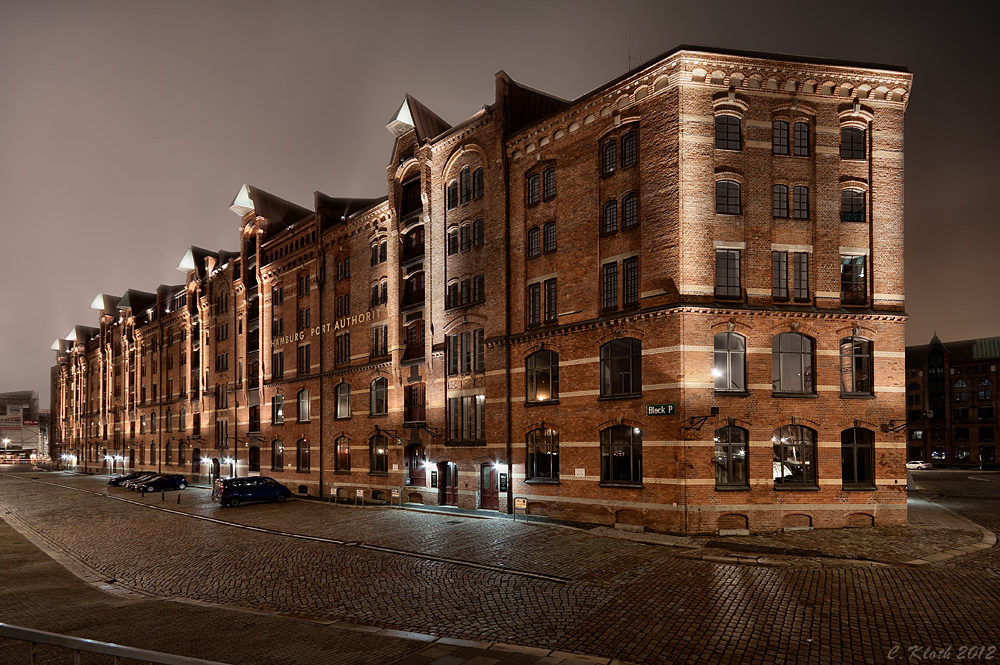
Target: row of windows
point(466, 188)
point(853, 279)
point(541, 186)
point(793, 457)
point(987, 454)
point(630, 214)
point(728, 136)
point(468, 291)
point(465, 237)
point(629, 153)
point(792, 363)
point(542, 240)
point(728, 201)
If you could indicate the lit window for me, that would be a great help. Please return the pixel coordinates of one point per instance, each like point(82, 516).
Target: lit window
point(543, 455)
point(542, 371)
point(621, 367)
point(731, 458)
point(621, 455)
point(729, 372)
point(792, 363)
point(794, 456)
point(855, 366)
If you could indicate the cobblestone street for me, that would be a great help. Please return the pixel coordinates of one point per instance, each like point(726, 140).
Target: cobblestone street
point(306, 572)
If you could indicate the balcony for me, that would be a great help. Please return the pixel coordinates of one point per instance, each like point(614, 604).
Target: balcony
point(415, 413)
point(413, 298)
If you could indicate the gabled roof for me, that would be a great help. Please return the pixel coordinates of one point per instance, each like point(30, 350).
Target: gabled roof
point(961, 352)
point(105, 303)
point(411, 114)
point(279, 213)
point(528, 105)
point(334, 210)
point(137, 300)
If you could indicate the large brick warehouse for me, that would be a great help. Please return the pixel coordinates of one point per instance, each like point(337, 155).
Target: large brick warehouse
point(673, 303)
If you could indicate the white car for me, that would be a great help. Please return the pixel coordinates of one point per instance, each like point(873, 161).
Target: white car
point(919, 465)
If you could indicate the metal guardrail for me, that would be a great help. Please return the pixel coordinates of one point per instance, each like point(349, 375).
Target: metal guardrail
point(79, 644)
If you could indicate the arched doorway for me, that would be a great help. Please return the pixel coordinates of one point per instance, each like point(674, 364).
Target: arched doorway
point(416, 473)
point(448, 490)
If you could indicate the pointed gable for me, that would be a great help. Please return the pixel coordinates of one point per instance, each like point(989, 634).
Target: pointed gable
point(411, 114)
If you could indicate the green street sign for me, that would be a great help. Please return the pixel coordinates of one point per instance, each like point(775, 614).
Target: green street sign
point(659, 409)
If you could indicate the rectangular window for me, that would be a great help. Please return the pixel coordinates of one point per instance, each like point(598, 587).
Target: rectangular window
point(478, 288)
point(534, 189)
point(534, 304)
point(452, 355)
point(727, 132)
point(478, 233)
point(466, 237)
point(801, 203)
point(466, 291)
point(852, 280)
point(609, 157)
point(779, 275)
point(852, 143)
point(801, 276)
point(852, 205)
point(630, 281)
point(802, 139)
point(477, 183)
point(465, 186)
point(609, 286)
point(727, 273)
point(467, 352)
point(779, 201)
point(779, 141)
point(630, 149)
point(550, 300)
point(479, 341)
point(303, 359)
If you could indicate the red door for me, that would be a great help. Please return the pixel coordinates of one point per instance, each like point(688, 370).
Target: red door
point(449, 483)
point(488, 492)
point(415, 466)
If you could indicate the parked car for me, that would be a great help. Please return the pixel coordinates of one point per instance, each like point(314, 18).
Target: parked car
point(135, 482)
point(234, 491)
point(168, 481)
point(118, 480)
point(919, 465)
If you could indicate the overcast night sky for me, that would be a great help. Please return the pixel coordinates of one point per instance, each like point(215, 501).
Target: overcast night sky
point(126, 128)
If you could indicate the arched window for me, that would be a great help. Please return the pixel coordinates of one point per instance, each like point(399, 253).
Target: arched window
point(609, 157)
point(534, 242)
point(477, 183)
point(379, 396)
point(182, 423)
point(152, 422)
point(452, 194)
point(378, 453)
point(548, 183)
point(142, 423)
point(413, 289)
point(170, 420)
point(277, 455)
point(343, 400)
point(543, 455)
point(168, 454)
point(342, 454)
point(278, 410)
point(792, 363)
point(534, 189)
point(779, 137)
point(453, 241)
point(542, 372)
point(852, 143)
point(152, 453)
point(303, 402)
point(794, 456)
point(731, 458)
point(727, 197)
point(302, 455)
point(630, 211)
point(857, 448)
point(730, 371)
point(609, 218)
point(856, 366)
point(727, 132)
point(630, 149)
point(779, 201)
point(549, 237)
point(852, 205)
point(621, 455)
point(181, 454)
point(621, 367)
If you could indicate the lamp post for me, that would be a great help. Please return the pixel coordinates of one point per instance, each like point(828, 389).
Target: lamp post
point(5, 442)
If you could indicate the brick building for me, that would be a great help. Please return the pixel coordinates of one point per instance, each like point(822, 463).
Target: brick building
point(951, 403)
point(674, 303)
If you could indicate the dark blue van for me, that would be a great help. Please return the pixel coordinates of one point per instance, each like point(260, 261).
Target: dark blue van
point(234, 491)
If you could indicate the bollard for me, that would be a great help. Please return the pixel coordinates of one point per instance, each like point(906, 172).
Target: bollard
point(178, 498)
point(143, 493)
point(163, 495)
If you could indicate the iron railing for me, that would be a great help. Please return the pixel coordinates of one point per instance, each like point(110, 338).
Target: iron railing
point(79, 644)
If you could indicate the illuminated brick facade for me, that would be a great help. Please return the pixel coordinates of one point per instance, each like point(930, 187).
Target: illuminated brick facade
point(675, 303)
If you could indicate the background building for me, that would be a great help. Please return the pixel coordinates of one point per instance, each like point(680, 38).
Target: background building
point(951, 406)
point(673, 303)
point(21, 431)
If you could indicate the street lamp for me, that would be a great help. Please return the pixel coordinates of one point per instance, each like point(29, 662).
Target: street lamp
point(5, 442)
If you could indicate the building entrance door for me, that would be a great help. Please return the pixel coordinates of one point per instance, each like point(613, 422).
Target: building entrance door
point(416, 474)
point(449, 483)
point(489, 495)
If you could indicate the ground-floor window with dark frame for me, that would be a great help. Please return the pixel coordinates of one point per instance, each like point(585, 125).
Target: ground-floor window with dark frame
point(731, 458)
point(543, 455)
point(621, 455)
point(857, 450)
point(794, 457)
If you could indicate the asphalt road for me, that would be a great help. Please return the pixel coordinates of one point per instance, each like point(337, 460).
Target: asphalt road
point(306, 582)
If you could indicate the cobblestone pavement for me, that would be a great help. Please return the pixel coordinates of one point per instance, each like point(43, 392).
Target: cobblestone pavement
point(489, 586)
